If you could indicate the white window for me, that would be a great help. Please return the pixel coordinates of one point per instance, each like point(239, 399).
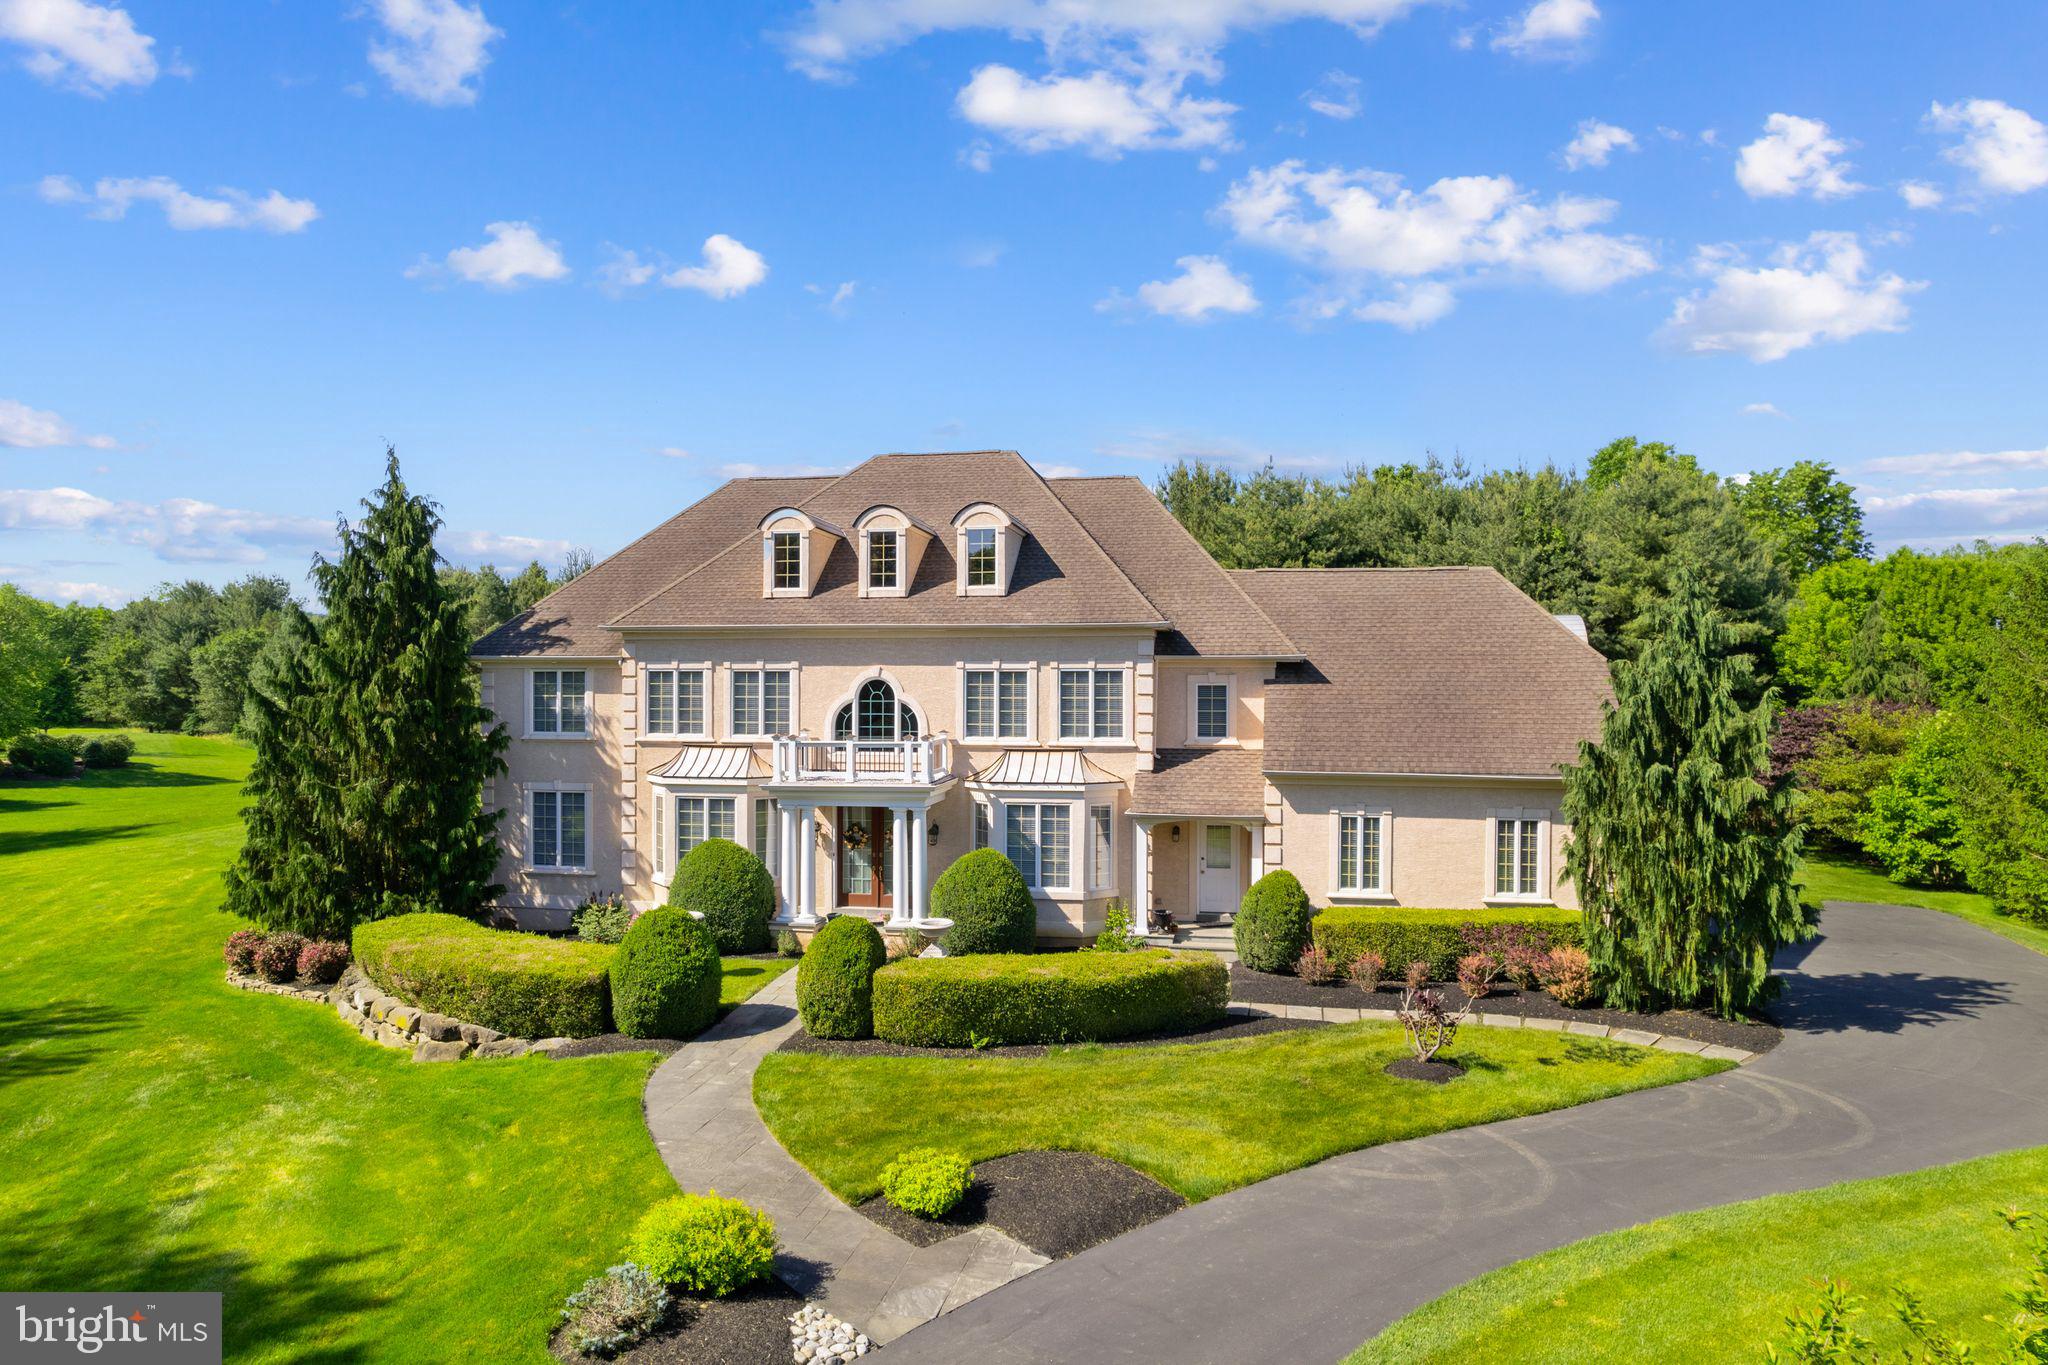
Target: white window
point(1040, 840)
point(1361, 853)
point(560, 702)
point(675, 702)
point(996, 703)
point(1101, 847)
point(884, 556)
point(764, 837)
point(702, 817)
point(557, 829)
point(786, 561)
point(981, 824)
point(981, 557)
point(1211, 706)
point(1518, 857)
point(761, 701)
point(1091, 703)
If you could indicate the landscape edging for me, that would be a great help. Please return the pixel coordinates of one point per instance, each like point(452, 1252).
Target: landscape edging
point(386, 1020)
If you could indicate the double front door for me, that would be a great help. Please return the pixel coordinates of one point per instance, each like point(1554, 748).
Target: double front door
point(867, 862)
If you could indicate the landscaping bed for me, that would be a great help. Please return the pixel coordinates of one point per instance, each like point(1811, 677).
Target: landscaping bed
point(1221, 1031)
point(748, 1327)
point(1057, 1203)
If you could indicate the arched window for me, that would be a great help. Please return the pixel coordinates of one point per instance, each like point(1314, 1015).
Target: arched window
point(874, 713)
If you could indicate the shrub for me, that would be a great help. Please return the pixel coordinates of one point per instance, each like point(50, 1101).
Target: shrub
point(323, 961)
point(985, 896)
point(927, 1182)
point(529, 985)
point(1272, 924)
point(1840, 755)
point(277, 959)
point(1567, 973)
point(729, 887)
point(1522, 963)
point(603, 919)
point(1912, 824)
point(998, 999)
point(1476, 973)
point(1429, 1026)
point(1367, 969)
point(1314, 966)
point(1117, 935)
point(1438, 937)
point(835, 981)
point(614, 1310)
point(108, 751)
point(704, 1242)
point(240, 949)
point(665, 976)
point(45, 755)
point(1416, 977)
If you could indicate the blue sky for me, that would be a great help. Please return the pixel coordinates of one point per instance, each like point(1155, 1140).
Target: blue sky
point(581, 262)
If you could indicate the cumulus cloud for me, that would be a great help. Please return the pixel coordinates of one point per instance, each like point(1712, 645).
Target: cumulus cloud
point(1595, 143)
point(1204, 286)
point(479, 546)
point(1099, 113)
point(182, 209)
point(2004, 148)
point(88, 48)
point(1961, 462)
point(27, 428)
point(63, 590)
point(181, 530)
point(1549, 29)
point(1762, 410)
point(1795, 156)
point(1411, 307)
point(1335, 96)
point(730, 269)
point(1818, 290)
point(1947, 515)
point(432, 50)
point(514, 255)
point(1918, 194)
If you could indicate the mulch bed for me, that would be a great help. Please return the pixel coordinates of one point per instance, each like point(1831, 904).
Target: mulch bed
point(1234, 1027)
point(1264, 988)
point(750, 1327)
point(1435, 1072)
point(1056, 1203)
point(617, 1042)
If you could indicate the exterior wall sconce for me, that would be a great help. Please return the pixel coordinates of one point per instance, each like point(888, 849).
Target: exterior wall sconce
point(931, 833)
point(1176, 834)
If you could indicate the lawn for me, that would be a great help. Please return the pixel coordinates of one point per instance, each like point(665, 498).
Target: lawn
point(745, 975)
point(1201, 1118)
point(1839, 879)
point(162, 1130)
point(1718, 1284)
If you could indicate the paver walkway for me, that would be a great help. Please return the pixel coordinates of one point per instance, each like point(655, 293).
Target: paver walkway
point(1912, 1039)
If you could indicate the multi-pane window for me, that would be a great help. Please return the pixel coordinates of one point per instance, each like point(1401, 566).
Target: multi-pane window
point(1515, 847)
point(1091, 703)
point(559, 824)
point(981, 825)
point(981, 557)
point(1040, 842)
point(1360, 860)
point(997, 703)
point(558, 702)
point(882, 559)
point(764, 839)
point(675, 701)
point(1212, 710)
point(702, 817)
point(1101, 845)
point(760, 701)
point(786, 559)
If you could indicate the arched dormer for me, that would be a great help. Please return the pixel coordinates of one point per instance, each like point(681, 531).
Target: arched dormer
point(794, 548)
point(986, 540)
point(891, 544)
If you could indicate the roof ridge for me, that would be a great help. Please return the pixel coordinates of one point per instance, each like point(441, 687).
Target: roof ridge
point(1089, 536)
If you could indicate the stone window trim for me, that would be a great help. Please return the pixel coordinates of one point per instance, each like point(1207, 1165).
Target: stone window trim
point(1530, 866)
point(1196, 683)
point(1362, 890)
point(1126, 709)
point(995, 734)
point(704, 671)
point(766, 732)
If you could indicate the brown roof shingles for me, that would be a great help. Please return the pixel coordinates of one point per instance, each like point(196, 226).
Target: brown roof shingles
point(1220, 782)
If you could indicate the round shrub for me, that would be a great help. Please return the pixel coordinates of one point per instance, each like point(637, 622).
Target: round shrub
point(665, 976)
point(277, 960)
point(323, 961)
point(732, 890)
point(994, 999)
point(528, 985)
point(835, 978)
point(44, 754)
point(1272, 922)
point(926, 1182)
point(1567, 973)
point(704, 1242)
point(108, 751)
point(985, 896)
point(240, 950)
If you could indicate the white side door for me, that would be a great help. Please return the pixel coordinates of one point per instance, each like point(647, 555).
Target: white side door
point(1216, 885)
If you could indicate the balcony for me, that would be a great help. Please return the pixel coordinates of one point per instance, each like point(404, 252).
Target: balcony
point(861, 762)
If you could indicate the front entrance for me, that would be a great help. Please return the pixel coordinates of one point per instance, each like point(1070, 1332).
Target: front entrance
point(1217, 891)
point(866, 857)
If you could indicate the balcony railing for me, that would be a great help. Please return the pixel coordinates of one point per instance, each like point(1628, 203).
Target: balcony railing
point(880, 761)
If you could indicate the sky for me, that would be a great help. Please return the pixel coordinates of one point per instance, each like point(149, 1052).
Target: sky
point(579, 263)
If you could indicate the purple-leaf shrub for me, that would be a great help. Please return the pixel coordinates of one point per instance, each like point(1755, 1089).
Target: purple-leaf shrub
point(1476, 974)
point(1417, 975)
point(1567, 973)
point(278, 958)
point(323, 961)
point(1522, 964)
point(1367, 969)
point(1314, 966)
point(1430, 1027)
point(240, 949)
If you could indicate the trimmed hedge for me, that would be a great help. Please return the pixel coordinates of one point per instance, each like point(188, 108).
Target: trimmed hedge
point(665, 976)
point(1401, 935)
point(991, 999)
point(732, 890)
point(1272, 923)
point(529, 985)
point(984, 895)
point(835, 978)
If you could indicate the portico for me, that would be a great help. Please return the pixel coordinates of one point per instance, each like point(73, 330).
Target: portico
point(863, 807)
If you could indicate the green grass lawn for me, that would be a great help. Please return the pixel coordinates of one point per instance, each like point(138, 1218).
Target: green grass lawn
point(1718, 1284)
point(1202, 1118)
point(162, 1130)
point(745, 975)
point(1838, 879)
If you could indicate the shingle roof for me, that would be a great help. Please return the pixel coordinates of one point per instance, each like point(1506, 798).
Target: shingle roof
point(1224, 781)
point(1451, 671)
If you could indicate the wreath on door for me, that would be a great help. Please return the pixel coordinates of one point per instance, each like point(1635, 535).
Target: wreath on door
point(856, 836)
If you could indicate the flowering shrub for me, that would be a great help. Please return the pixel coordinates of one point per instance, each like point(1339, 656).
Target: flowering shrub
point(614, 1310)
point(1430, 1027)
point(1477, 973)
point(240, 949)
point(1417, 975)
point(323, 961)
point(1567, 973)
point(1314, 966)
point(278, 958)
point(926, 1182)
point(704, 1242)
point(1367, 969)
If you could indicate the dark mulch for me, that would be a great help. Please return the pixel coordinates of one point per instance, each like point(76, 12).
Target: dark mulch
point(747, 1328)
point(1056, 1203)
point(1237, 1026)
point(617, 1042)
point(1264, 988)
point(1436, 1073)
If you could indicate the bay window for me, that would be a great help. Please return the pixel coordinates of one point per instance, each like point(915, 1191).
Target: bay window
point(1040, 843)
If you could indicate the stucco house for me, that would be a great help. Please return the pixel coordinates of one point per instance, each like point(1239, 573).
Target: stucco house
point(864, 676)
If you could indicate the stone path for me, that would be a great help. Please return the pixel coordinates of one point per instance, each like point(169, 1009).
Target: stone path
point(1912, 1039)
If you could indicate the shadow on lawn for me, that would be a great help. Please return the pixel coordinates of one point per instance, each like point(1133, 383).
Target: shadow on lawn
point(53, 1040)
point(137, 774)
point(8, 807)
point(41, 841)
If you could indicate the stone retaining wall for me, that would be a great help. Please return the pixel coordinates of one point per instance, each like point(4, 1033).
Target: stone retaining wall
point(385, 1019)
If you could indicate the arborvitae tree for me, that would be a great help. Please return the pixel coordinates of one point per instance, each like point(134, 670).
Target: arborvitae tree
point(1683, 858)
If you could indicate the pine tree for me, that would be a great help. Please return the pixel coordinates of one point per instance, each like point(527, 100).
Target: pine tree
point(1683, 859)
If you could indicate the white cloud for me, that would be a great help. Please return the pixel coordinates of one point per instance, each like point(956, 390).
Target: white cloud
point(1364, 227)
point(1763, 410)
point(1205, 285)
point(1795, 156)
point(1595, 143)
point(979, 156)
point(1549, 29)
point(1335, 96)
point(181, 530)
point(2006, 149)
point(1059, 471)
point(674, 452)
point(837, 299)
point(1813, 291)
point(623, 270)
point(1918, 194)
point(477, 546)
point(182, 209)
point(778, 471)
point(1960, 462)
point(1098, 113)
point(27, 428)
point(729, 270)
point(433, 49)
point(87, 48)
point(515, 254)
point(1947, 515)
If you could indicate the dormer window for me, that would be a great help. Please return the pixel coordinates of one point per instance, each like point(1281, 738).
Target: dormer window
point(789, 559)
point(981, 557)
point(794, 548)
point(891, 546)
point(986, 542)
point(882, 559)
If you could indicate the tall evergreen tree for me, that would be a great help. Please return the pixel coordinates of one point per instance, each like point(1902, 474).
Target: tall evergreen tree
point(1682, 857)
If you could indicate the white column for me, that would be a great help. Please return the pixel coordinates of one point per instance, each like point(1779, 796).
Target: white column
point(1258, 851)
point(807, 849)
point(785, 864)
point(920, 863)
point(1141, 877)
point(899, 864)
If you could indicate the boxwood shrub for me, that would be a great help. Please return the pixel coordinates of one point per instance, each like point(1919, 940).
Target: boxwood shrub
point(524, 984)
point(835, 978)
point(1401, 935)
point(1272, 923)
point(984, 895)
point(665, 976)
point(732, 890)
point(992, 999)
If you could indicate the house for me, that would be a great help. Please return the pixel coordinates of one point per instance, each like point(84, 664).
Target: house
point(862, 677)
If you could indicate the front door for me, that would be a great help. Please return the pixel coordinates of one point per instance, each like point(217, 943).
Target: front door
point(1216, 888)
point(866, 857)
